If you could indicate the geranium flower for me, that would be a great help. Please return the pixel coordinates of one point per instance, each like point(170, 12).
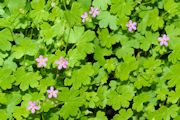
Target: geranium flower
point(62, 63)
point(41, 61)
point(164, 40)
point(84, 16)
point(33, 107)
point(94, 11)
point(52, 92)
point(131, 25)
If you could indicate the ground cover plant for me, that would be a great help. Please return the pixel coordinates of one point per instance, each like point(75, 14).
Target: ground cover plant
point(89, 59)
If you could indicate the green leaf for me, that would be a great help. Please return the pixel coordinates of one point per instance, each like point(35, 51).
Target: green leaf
point(103, 5)
point(127, 91)
point(1, 61)
point(73, 16)
point(164, 113)
point(173, 77)
point(91, 99)
point(55, 13)
point(123, 114)
point(3, 114)
point(127, 47)
point(5, 37)
point(162, 93)
point(148, 75)
point(100, 53)
point(15, 5)
point(155, 21)
point(37, 4)
point(3, 98)
point(144, 13)
point(39, 16)
point(102, 94)
point(111, 64)
point(13, 99)
point(80, 77)
point(72, 101)
point(9, 64)
point(26, 79)
point(53, 116)
point(171, 7)
point(75, 34)
point(174, 56)
point(23, 48)
point(79, 36)
point(149, 39)
point(20, 113)
point(122, 21)
point(173, 32)
point(85, 4)
point(122, 7)
point(48, 32)
point(33, 96)
point(6, 79)
point(125, 68)
point(114, 99)
point(47, 105)
point(74, 57)
point(139, 100)
point(121, 98)
point(82, 40)
point(1, 10)
point(106, 19)
point(106, 39)
point(102, 77)
point(45, 83)
point(99, 116)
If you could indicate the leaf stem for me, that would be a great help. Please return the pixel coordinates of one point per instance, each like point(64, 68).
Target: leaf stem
point(67, 40)
point(24, 60)
point(164, 14)
point(42, 116)
point(64, 4)
point(11, 33)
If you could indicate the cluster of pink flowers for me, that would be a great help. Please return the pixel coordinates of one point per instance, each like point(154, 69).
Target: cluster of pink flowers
point(62, 63)
point(51, 93)
point(163, 40)
point(93, 11)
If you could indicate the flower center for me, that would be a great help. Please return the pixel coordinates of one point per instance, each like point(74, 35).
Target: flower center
point(61, 62)
point(130, 25)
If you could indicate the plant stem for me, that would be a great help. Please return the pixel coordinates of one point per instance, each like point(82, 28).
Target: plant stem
point(67, 40)
point(64, 4)
point(42, 116)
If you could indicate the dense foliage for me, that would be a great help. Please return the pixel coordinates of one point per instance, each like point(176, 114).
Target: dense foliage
point(89, 59)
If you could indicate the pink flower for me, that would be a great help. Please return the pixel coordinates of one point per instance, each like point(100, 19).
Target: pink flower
point(164, 40)
point(33, 107)
point(131, 25)
point(84, 16)
point(52, 92)
point(41, 61)
point(62, 63)
point(94, 11)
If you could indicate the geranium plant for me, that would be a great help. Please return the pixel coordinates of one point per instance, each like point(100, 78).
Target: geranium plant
point(89, 59)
